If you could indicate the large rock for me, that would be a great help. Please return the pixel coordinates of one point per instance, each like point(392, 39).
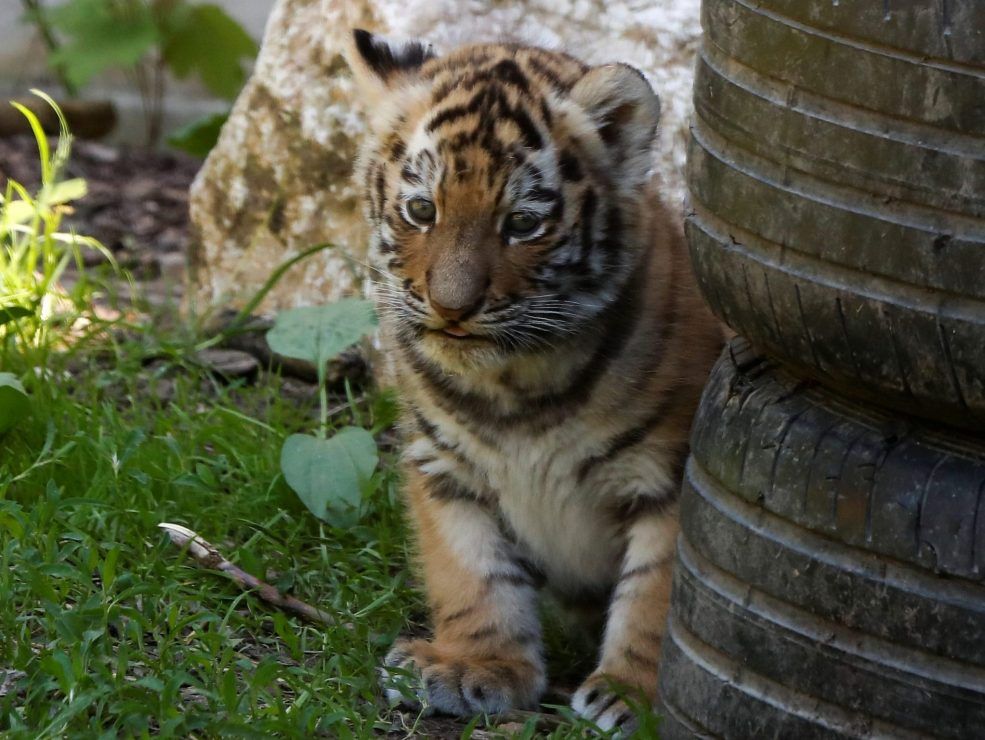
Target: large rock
point(279, 179)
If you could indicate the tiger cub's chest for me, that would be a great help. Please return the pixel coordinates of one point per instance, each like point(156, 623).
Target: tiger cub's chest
point(560, 523)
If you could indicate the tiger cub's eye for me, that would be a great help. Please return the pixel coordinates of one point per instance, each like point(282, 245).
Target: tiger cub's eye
point(421, 211)
point(521, 223)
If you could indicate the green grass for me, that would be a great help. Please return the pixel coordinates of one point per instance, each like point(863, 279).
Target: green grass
point(115, 630)
point(117, 633)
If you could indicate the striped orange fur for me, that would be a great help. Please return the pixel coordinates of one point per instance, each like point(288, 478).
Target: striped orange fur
point(549, 346)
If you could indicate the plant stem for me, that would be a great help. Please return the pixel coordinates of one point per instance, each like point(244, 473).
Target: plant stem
point(35, 12)
point(146, 99)
point(322, 400)
point(156, 124)
point(244, 314)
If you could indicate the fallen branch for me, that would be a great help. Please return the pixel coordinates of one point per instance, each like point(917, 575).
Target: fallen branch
point(206, 555)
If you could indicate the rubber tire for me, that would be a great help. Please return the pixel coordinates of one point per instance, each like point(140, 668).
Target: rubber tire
point(831, 569)
point(838, 221)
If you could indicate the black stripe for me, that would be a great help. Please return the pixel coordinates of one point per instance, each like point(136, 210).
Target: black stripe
point(397, 148)
point(380, 57)
point(456, 112)
point(430, 431)
point(444, 487)
point(629, 510)
point(570, 167)
point(528, 129)
point(610, 699)
point(588, 205)
point(542, 195)
point(374, 206)
point(516, 579)
point(640, 570)
point(629, 438)
point(380, 190)
point(410, 175)
point(547, 73)
point(537, 576)
point(638, 658)
point(509, 72)
point(461, 613)
point(483, 632)
point(459, 142)
point(611, 240)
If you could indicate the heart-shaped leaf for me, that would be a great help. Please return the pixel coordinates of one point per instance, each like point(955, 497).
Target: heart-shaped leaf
point(328, 474)
point(15, 404)
point(319, 333)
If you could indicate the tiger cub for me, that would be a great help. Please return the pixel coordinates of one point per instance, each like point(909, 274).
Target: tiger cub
point(549, 345)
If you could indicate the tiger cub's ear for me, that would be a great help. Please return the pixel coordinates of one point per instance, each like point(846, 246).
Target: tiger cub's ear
point(379, 63)
point(626, 112)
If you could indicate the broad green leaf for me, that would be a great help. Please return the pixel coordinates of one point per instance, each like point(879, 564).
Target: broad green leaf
point(205, 40)
point(101, 35)
point(198, 137)
point(66, 191)
point(328, 474)
point(12, 313)
point(17, 212)
point(319, 333)
point(15, 404)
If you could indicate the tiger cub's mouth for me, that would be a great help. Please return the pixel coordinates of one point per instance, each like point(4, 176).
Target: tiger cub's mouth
point(457, 332)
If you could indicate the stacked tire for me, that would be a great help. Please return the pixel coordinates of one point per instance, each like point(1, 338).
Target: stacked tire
point(831, 570)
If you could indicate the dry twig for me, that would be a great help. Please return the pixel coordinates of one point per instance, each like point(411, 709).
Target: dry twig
point(206, 555)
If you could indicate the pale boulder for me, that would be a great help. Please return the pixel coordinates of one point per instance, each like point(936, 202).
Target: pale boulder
point(279, 180)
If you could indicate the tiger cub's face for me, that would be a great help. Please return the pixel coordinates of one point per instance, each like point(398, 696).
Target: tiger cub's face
point(503, 185)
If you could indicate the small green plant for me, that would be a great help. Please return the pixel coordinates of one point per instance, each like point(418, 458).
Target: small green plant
point(145, 39)
point(36, 311)
point(14, 401)
point(327, 473)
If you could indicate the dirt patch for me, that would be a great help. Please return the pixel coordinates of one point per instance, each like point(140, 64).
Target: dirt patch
point(137, 204)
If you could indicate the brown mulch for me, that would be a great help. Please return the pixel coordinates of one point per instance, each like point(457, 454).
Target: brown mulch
point(137, 204)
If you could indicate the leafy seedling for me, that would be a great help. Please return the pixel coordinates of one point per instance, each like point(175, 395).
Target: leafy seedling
point(15, 404)
point(327, 473)
point(319, 333)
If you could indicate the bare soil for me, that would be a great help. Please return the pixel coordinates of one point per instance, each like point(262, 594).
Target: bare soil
point(137, 204)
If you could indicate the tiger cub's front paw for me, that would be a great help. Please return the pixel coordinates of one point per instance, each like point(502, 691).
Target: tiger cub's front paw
point(598, 700)
point(464, 685)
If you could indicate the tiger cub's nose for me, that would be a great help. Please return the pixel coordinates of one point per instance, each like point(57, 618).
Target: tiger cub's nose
point(456, 298)
point(456, 313)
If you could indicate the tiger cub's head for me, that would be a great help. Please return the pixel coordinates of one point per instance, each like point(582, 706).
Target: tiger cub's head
point(506, 188)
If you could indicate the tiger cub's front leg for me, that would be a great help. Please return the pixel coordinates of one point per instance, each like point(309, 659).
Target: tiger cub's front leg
point(486, 652)
point(635, 626)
